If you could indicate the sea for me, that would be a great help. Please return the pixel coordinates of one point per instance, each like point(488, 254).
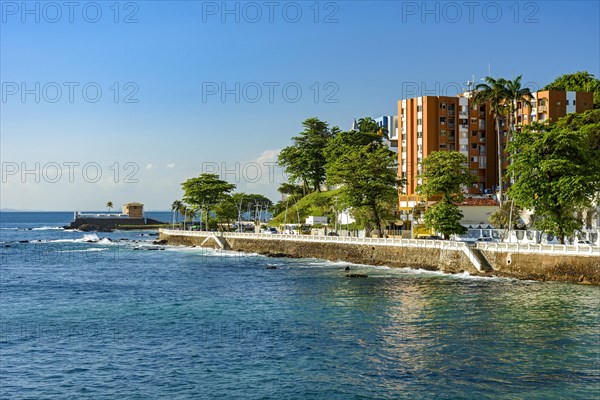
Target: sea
point(116, 316)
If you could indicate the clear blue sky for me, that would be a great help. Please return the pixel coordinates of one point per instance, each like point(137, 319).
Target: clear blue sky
point(175, 56)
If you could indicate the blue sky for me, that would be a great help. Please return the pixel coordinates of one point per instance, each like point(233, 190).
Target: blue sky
point(162, 67)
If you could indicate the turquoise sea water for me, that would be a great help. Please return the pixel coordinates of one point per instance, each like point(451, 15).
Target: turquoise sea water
point(119, 317)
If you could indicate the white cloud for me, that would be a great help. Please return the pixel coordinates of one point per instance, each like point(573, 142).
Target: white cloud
point(149, 166)
point(171, 165)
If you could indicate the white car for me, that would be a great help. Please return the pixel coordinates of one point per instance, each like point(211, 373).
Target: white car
point(585, 243)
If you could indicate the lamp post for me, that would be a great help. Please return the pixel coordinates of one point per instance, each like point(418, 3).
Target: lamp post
point(336, 213)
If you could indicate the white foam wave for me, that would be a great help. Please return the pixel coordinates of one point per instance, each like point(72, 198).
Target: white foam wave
point(48, 228)
point(95, 249)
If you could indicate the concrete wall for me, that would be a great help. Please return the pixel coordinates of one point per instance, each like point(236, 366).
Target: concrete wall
point(451, 261)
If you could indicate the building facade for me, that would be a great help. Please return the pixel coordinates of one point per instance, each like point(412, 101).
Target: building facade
point(455, 123)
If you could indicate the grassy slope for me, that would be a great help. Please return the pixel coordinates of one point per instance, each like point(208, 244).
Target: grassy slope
point(308, 205)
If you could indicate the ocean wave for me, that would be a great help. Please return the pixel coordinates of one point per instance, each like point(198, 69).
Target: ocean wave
point(94, 249)
point(48, 228)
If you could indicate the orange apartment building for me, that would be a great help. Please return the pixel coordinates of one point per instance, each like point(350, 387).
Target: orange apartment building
point(446, 123)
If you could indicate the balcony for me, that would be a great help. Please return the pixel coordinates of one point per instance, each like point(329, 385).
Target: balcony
point(541, 109)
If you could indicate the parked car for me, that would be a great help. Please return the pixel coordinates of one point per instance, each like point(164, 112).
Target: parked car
point(487, 239)
point(332, 234)
point(271, 231)
point(585, 243)
point(429, 237)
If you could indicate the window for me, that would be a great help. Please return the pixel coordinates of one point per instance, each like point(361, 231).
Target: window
point(474, 145)
point(419, 121)
point(442, 120)
point(574, 102)
point(419, 134)
point(504, 133)
point(558, 103)
point(443, 106)
point(464, 147)
point(473, 133)
point(567, 102)
point(442, 146)
point(451, 147)
point(473, 120)
point(474, 159)
point(419, 108)
point(443, 132)
point(419, 147)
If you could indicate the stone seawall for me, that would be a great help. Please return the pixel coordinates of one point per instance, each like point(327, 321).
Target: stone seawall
point(451, 261)
point(544, 267)
point(566, 268)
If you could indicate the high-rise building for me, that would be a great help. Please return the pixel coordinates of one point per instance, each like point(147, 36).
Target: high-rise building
point(446, 123)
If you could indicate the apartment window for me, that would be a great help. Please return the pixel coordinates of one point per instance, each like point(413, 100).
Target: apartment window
point(474, 145)
point(451, 107)
point(442, 146)
point(558, 103)
point(419, 108)
point(419, 121)
point(473, 133)
point(443, 106)
point(419, 134)
point(473, 120)
point(567, 102)
point(451, 147)
point(574, 101)
point(474, 172)
point(464, 147)
point(443, 132)
point(504, 133)
point(474, 159)
point(442, 120)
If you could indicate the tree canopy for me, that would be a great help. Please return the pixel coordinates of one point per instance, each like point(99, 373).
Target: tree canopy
point(557, 170)
point(445, 174)
point(364, 167)
point(206, 191)
point(581, 81)
point(304, 161)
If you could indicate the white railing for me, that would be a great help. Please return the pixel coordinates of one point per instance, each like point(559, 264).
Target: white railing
point(82, 215)
point(582, 250)
point(422, 243)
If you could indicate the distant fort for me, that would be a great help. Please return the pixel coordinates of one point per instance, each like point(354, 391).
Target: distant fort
point(131, 217)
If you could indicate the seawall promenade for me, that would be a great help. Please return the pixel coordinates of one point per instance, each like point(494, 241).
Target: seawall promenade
point(539, 262)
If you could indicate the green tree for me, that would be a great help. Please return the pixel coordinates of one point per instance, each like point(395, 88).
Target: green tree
point(515, 93)
point(494, 91)
point(304, 161)
point(581, 81)
point(364, 166)
point(205, 191)
point(445, 174)
point(177, 206)
point(506, 215)
point(109, 205)
point(556, 172)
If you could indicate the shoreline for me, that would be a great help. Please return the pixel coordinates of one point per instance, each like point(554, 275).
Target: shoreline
point(441, 256)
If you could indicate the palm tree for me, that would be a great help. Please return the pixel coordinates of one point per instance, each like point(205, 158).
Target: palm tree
point(109, 205)
point(494, 91)
point(515, 94)
point(177, 207)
